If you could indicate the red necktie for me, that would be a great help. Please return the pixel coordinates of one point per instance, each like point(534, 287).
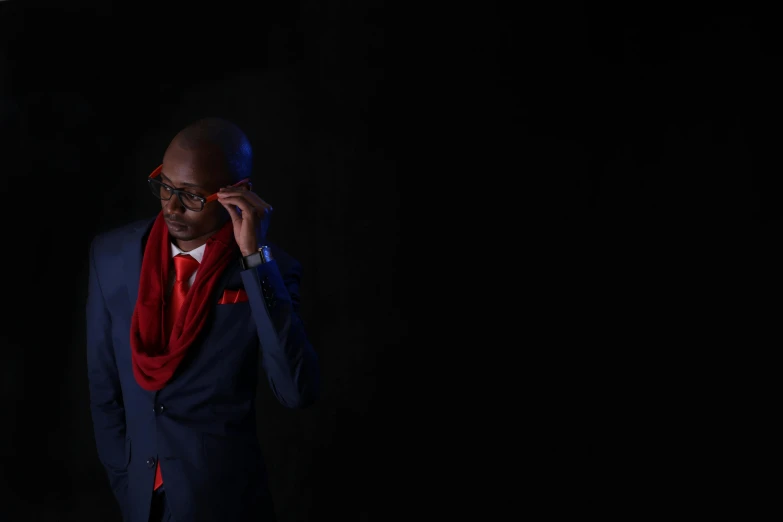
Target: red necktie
point(184, 266)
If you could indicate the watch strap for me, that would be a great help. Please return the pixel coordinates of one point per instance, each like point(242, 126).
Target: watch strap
point(263, 255)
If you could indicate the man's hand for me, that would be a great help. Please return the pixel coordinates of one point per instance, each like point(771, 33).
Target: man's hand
point(252, 223)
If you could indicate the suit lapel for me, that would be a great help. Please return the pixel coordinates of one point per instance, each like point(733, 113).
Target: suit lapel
point(229, 279)
point(133, 250)
point(132, 253)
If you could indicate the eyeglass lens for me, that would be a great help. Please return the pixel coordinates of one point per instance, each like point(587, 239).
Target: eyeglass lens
point(162, 191)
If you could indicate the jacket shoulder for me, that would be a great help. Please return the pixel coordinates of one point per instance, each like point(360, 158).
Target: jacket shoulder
point(111, 241)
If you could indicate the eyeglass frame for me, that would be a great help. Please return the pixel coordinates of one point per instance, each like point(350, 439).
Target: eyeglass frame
point(175, 191)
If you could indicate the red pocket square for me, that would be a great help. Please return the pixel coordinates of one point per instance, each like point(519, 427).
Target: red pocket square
point(233, 296)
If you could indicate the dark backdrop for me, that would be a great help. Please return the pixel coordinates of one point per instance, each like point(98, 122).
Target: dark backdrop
point(92, 92)
point(370, 123)
point(680, 264)
point(603, 178)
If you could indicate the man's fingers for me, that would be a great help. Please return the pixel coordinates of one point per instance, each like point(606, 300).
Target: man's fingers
point(242, 203)
point(254, 205)
point(254, 199)
point(231, 211)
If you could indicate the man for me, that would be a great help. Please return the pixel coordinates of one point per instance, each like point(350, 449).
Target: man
point(180, 309)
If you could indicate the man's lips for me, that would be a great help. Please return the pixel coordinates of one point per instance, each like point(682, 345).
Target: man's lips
point(175, 224)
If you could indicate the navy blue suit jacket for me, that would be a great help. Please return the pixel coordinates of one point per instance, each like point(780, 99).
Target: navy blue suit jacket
point(202, 424)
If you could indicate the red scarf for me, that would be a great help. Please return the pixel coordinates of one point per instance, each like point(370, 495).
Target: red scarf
point(155, 358)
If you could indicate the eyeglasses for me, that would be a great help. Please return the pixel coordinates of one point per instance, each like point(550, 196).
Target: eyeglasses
point(190, 201)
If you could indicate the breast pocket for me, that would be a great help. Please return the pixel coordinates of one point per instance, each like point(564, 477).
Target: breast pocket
point(229, 325)
point(232, 318)
point(233, 322)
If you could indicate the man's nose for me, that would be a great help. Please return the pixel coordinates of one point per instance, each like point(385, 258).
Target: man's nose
point(174, 205)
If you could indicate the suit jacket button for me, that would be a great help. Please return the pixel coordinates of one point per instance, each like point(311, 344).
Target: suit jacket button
point(158, 409)
point(150, 462)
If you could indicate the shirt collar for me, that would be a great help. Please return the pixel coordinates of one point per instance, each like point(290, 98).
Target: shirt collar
point(196, 253)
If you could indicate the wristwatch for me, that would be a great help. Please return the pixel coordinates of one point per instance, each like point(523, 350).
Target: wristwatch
point(263, 255)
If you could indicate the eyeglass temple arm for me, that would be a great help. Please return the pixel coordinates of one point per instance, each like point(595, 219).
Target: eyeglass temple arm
point(213, 197)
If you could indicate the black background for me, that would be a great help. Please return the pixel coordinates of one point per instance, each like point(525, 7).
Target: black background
point(366, 120)
point(92, 93)
point(678, 273)
point(605, 176)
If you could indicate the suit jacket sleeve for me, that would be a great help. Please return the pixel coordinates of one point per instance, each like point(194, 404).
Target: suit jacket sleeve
point(292, 370)
point(106, 403)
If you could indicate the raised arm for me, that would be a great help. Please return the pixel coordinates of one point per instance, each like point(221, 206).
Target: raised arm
point(291, 364)
point(290, 361)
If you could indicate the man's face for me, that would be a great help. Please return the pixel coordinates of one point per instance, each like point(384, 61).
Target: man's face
point(197, 172)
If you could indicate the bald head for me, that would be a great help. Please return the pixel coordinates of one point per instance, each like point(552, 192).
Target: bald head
point(219, 142)
point(201, 159)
